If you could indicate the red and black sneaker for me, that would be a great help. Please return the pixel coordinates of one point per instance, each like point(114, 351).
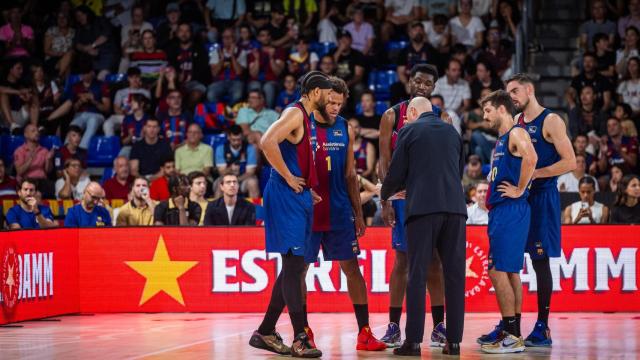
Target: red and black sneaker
point(368, 342)
point(310, 336)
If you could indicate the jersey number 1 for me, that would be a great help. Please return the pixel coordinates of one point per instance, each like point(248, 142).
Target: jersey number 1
point(328, 158)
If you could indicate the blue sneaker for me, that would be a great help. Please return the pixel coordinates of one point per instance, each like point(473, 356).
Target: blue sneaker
point(540, 336)
point(491, 337)
point(439, 336)
point(392, 336)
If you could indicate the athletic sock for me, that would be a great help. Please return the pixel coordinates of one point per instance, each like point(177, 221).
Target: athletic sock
point(362, 315)
point(509, 324)
point(394, 314)
point(270, 319)
point(518, 318)
point(306, 319)
point(545, 287)
point(297, 320)
point(437, 314)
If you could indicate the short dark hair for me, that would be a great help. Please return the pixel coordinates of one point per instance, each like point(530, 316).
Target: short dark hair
point(257, 91)
point(598, 37)
point(586, 179)
point(437, 96)
point(235, 129)
point(31, 181)
point(74, 128)
point(590, 54)
point(174, 183)
point(521, 78)
point(425, 69)
point(368, 92)
point(136, 179)
point(264, 29)
point(626, 108)
point(416, 23)
point(134, 71)
point(621, 192)
point(194, 175)
point(499, 98)
point(153, 119)
point(338, 85)
point(440, 19)
point(168, 160)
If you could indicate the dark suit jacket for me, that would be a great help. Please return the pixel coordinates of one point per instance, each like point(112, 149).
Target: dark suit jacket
point(428, 162)
point(243, 214)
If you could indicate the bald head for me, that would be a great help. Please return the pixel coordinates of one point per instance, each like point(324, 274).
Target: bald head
point(417, 106)
point(93, 195)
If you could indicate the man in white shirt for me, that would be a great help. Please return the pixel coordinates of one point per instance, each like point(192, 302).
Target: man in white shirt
point(454, 90)
point(569, 182)
point(478, 214)
point(121, 101)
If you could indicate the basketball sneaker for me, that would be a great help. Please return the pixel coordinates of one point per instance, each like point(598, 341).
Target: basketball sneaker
point(312, 338)
point(491, 337)
point(439, 336)
point(302, 348)
point(366, 341)
point(540, 336)
point(392, 336)
point(271, 343)
point(505, 344)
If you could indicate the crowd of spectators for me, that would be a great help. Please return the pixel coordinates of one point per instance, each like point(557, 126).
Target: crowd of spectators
point(189, 87)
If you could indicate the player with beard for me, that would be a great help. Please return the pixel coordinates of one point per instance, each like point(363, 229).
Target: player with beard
point(555, 157)
point(421, 83)
point(338, 220)
point(289, 145)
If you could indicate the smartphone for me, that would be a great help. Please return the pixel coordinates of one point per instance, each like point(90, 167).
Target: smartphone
point(144, 191)
point(585, 205)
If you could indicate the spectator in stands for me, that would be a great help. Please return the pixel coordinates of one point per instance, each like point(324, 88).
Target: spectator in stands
point(328, 65)
point(228, 65)
point(118, 186)
point(629, 88)
point(304, 13)
point(478, 214)
point(437, 30)
point(587, 117)
point(589, 76)
point(160, 186)
point(399, 13)
point(289, 94)
point(605, 58)
point(138, 211)
point(150, 60)
point(122, 101)
point(168, 28)
point(237, 156)
point(626, 209)
point(258, 15)
point(587, 210)
point(197, 191)
point(495, 53)
point(350, 64)
point(327, 29)
point(228, 209)
point(8, 184)
point(431, 8)
point(133, 123)
point(631, 48)
point(177, 210)
point(28, 214)
point(174, 121)
point(484, 79)
point(73, 181)
point(247, 42)
point(168, 82)
point(17, 39)
point(265, 67)
point(256, 118)
point(32, 160)
point(617, 149)
point(47, 96)
point(454, 90)
point(633, 19)
point(569, 182)
point(280, 34)
point(580, 143)
point(597, 24)
point(466, 28)
point(369, 121)
point(70, 150)
point(90, 212)
point(623, 113)
point(58, 47)
point(467, 64)
point(150, 153)
point(364, 152)
point(361, 32)
point(508, 18)
point(188, 57)
point(220, 15)
point(194, 155)
point(610, 183)
point(419, 51)
point(449, 116)
point(301, 61)
point(93, 41)
point(482, 138)
point(472, 172)
point(131, 36)
point(18, 104)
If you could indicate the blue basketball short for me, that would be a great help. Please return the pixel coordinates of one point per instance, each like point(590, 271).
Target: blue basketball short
point(544, 232)
point(508, 230)
point(398, 234)
point(336, 245)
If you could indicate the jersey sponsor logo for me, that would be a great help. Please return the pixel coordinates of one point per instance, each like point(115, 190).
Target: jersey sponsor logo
point(532, 129)
point(337, 132)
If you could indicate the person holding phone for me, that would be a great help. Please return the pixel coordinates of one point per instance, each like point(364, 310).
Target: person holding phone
point(587, 210)
point(138, 211)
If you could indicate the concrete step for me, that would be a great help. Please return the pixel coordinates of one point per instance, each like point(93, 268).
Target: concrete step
point(551, 101)
point(560, 28)
point(557, 41)
point(553, 70)
point(558, 57)
point(556, 87)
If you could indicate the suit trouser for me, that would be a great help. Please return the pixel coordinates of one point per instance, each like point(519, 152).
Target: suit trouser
point(447, 234)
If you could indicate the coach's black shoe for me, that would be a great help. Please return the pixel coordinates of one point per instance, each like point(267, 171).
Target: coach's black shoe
point(301, 347)
point(408, 349)
point(451, 349)
point(271, 343)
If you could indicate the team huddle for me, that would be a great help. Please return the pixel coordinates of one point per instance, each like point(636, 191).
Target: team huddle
point(312, 201)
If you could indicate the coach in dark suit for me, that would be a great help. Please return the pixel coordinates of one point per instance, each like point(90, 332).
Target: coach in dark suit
point(229, 209)
point(428, 162)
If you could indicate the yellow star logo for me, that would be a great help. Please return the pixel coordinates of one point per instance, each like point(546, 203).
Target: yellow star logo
point(161, 273)
point(468, 272)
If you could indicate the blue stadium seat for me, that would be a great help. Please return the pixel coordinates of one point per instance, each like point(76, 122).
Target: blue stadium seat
point(380, 82)
point(381, 107)
point(396, 46)
point(50, 141)
point(106, 175)
point(322, 48)
point(71, 80)
point(9, 144)
point(102, 151)
point(115, 78)
point(214, 140)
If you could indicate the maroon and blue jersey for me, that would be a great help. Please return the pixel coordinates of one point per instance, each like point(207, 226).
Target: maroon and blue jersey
point(547, 153)
point(400, 110)
point(504, 167)
point(334, 212)
point(360, 156)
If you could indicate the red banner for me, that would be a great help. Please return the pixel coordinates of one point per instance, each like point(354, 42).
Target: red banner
point(227, 270)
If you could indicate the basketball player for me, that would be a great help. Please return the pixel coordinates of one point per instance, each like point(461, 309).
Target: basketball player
point(512, 166)
point(338, 220)
point(421, 83)
point(555, 157)
point(288, 202)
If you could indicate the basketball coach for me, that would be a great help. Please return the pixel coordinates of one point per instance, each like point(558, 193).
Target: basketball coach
point(428, 162)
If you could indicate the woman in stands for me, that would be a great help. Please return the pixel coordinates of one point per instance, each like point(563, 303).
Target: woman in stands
point(587, 210)
point(626, 209)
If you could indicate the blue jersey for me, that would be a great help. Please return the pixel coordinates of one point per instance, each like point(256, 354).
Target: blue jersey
point(504, 167)
point(27, 220)
point(334, 212)
point(78, 217)
point(547, 154)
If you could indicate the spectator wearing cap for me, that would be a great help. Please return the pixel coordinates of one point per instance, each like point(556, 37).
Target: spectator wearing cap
point(350, 63)
point(174, 121)
point(454, 90)
point(118, 186)
point(189, 57)
point(148, 155)
point(150, 60)
point(58, 46)
point(90, 212)
point(8, 184)
point(466, 28)
point(17, 39)
point(473, 171)
point(361, 32)
point(32, 160)
point(94, 41)
point(256, 118)
point(18, 104)
point(73, 181)
point(478, 214)
point(131, 36)
point(237, 156)
point(228, 66)
point(229, 209)
point(194, 155)
point(122, 101)
point(139, 210)
point(220, 15)
point(159, 188)
point(28, 214)
point(178, 210)
point(265, 67)
point(167, 30)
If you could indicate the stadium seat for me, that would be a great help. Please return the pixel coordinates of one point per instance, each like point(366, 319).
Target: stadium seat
point(71, 80)
point(214, 140)
point(380, 82)
point(322, 48)
point(106, 175)
point(381, 107)
point(50, 141)
point(396, 46)
point(102, 151)
point(9, 144)
point(115, 78)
